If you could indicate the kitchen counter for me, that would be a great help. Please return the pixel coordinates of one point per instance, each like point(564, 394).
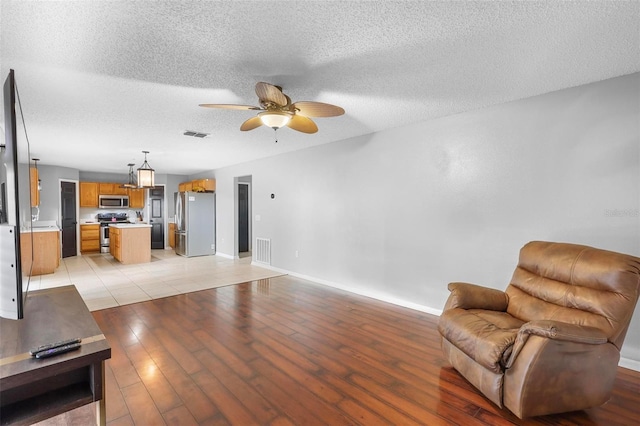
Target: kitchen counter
point(48, 229)
point(129, 225)
point(40, 251)
point(130, 243)
point(41, 226)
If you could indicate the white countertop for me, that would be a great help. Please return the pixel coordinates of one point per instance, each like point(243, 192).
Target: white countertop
point(41, 226)
point(48, 229)
point(130, 225)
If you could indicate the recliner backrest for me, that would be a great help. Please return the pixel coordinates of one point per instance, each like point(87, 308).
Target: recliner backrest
point(575, 284)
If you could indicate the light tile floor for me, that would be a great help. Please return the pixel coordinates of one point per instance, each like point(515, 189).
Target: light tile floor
point(104, 282)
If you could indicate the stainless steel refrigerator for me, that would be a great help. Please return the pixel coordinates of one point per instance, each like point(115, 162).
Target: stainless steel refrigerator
point(195, 223)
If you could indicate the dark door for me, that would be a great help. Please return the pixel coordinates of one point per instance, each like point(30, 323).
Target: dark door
point(243, 218)
point(157, 217)
point(69, 220)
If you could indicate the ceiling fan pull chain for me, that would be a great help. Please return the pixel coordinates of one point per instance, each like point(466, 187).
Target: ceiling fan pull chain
point(275, 131)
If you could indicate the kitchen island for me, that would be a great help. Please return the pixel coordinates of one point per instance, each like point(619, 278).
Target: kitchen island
point(130, 242)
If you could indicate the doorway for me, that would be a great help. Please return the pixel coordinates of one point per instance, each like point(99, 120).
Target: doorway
point(156, 219)
point(244, 214)
point(68, 218)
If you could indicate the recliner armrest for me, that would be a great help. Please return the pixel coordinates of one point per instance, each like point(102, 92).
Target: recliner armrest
point(472, 296)
point(564, 331)
point(556, 330)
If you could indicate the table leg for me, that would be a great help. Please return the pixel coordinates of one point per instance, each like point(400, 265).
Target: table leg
point(101, 406)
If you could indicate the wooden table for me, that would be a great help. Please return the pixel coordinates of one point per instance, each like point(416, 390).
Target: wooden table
point(32, 390)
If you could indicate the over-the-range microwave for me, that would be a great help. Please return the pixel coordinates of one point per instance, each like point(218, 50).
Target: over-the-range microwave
point(113, 201)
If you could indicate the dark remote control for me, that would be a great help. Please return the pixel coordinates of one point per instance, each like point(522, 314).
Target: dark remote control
point(42, 348)
point(59, 350)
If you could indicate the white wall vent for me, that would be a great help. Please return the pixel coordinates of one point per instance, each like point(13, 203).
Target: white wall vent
point(263, 251)
point(195, 134)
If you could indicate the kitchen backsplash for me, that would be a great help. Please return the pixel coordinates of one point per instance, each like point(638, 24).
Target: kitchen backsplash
point(89, 214)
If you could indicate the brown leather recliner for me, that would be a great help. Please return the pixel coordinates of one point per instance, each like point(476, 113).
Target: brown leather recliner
point(551, 342)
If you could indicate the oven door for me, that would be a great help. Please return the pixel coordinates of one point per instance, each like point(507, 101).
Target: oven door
point(104, 235)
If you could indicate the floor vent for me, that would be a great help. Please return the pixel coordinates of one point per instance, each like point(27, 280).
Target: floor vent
point(263, 251)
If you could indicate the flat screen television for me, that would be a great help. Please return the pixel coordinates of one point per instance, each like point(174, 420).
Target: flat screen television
point(15, 208)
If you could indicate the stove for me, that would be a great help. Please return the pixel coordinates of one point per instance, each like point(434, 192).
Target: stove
point(106, 219)
point(112, 217)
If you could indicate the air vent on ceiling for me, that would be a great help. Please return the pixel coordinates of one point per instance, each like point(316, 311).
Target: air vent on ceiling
point(195, 134)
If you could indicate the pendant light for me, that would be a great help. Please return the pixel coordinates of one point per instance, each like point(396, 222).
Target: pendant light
point(132, 178)
point(146, 177)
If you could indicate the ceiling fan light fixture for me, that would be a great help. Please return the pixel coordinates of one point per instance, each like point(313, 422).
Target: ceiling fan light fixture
point(274, 119)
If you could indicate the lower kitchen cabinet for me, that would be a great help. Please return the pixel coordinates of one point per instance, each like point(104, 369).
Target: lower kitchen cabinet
point(45, 248)
point(172, 235)
point(90, 238)
point(130, 243)
point(115, 247)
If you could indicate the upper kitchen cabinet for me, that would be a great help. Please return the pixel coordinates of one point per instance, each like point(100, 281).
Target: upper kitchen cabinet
point(111, 189)
point(185, 186)
point(198, 185)
point(89, 194)
point(35, 193)
point(136, 198)
point(203, 185)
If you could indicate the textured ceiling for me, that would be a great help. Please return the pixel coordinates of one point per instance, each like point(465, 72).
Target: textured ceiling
point(101, 81)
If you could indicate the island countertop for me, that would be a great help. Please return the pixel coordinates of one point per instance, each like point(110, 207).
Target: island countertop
point(130, 225)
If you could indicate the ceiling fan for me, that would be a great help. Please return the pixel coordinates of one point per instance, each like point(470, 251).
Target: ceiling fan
point(278, 111)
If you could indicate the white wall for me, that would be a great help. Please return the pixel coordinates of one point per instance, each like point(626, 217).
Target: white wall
point(398, 214)
point(50, 194)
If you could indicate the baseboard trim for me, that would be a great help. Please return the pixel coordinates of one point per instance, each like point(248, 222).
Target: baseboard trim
point(374, 295)
point(629, 363)
point(226, 256)
point(624, 362)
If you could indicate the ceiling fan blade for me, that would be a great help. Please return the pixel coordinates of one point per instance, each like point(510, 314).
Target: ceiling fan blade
point(269, 93)
point(251, 124)
point(231, 106)
point(302, 124)
point(317, 109)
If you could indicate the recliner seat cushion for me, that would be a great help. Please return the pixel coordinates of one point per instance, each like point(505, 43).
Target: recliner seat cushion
point(485, 336)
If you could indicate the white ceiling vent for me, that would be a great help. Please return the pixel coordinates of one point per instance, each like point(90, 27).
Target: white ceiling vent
point(195, 134)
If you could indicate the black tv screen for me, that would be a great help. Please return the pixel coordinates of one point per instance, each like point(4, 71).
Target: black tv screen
point(14, 174)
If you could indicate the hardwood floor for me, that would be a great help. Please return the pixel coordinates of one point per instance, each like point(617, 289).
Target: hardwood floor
point(284, 351)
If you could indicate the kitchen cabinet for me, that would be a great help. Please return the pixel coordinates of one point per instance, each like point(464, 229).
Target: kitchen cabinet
point(136, 198)
point(172, 235)
point(115, 246)
point(109, 188)
point(198, 185)
point(130, 243)
point(119, 190)
point(88, 194)
point(185, 186)
point(203, 185)
point(35, 193)
point(45, 247)
point(90, 238)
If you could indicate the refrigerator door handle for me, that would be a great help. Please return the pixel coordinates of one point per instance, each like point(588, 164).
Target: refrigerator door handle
point(179, 212)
